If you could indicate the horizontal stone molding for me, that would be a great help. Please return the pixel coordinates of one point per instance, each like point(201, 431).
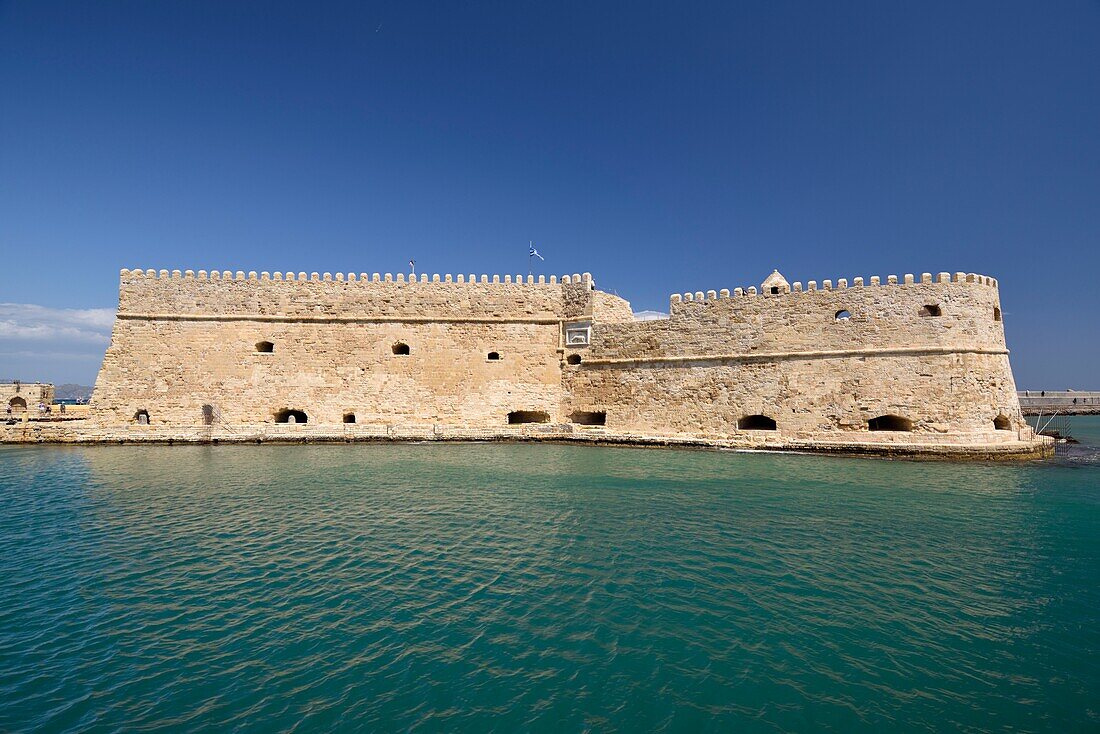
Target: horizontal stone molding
point(775, 356)
point(275, 318)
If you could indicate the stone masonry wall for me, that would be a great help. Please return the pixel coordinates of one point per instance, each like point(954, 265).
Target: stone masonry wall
point(819, 361)
point(942, 393)
point(349, 296)
point(880, 317)
point(172, 368)
point(185, 341)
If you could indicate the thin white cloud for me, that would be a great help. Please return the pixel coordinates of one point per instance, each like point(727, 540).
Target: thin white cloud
point(31, 322)
point(52, 356)
point(650, 315)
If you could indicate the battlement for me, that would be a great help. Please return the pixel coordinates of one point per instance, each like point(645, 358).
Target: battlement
point(780, 286)
point(252, 275)
point(959, 312)
point(226, 294)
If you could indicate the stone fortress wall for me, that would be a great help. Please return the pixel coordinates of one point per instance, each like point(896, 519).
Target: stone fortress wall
point(819, 361)
point(788, 366)
point(252, 347)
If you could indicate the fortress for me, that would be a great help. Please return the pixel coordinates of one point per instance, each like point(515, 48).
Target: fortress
point(910, 366)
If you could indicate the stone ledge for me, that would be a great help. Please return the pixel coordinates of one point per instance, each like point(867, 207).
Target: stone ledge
point(976, 446)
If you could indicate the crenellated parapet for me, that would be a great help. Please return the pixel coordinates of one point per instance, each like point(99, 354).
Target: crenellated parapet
point(315, 277)
point(811, 286)
point(147, 293)
point(948, 313)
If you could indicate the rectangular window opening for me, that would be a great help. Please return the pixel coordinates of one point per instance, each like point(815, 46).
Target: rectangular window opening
point(589, 417)
point(528, 416)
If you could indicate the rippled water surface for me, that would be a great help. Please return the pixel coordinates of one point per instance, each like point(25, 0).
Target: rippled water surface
point(543, 588)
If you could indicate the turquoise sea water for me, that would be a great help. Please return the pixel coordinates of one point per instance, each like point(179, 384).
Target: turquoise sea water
point(544, 588)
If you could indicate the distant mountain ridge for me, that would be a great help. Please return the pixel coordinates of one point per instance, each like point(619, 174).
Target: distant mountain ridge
point(72, 392)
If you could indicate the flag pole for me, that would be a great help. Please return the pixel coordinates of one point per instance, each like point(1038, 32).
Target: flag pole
point(530, 257)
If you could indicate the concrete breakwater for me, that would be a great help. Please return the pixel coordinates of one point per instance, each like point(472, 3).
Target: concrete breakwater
point(1066, 402)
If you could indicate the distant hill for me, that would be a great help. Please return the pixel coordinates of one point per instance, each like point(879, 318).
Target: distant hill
point(72, 392)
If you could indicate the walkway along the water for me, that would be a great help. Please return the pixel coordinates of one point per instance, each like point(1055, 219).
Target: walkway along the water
point(1066, 402)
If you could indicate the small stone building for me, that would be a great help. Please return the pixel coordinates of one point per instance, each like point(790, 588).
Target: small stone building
point(20, 396)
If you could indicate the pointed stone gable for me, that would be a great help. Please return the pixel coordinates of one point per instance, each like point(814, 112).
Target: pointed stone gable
point(775, 281)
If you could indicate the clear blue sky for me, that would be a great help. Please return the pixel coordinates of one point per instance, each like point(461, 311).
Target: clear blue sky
point(663, 147)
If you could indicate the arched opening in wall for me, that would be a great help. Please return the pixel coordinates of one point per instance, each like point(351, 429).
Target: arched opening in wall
point(142, 417)
point(208, 415)
point(588, 417)
point(930, 309)
point(492, 356)
point(774, 290)
point(889, 423)
point(996, 313)
point(291, 416)
point(528, 416)
point(573, 359)
point(1002, 423)
point(756, 423)
point(265, 347)
point(17, 403)
point(401, 349)
point(349, 417)
point(842, 315)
